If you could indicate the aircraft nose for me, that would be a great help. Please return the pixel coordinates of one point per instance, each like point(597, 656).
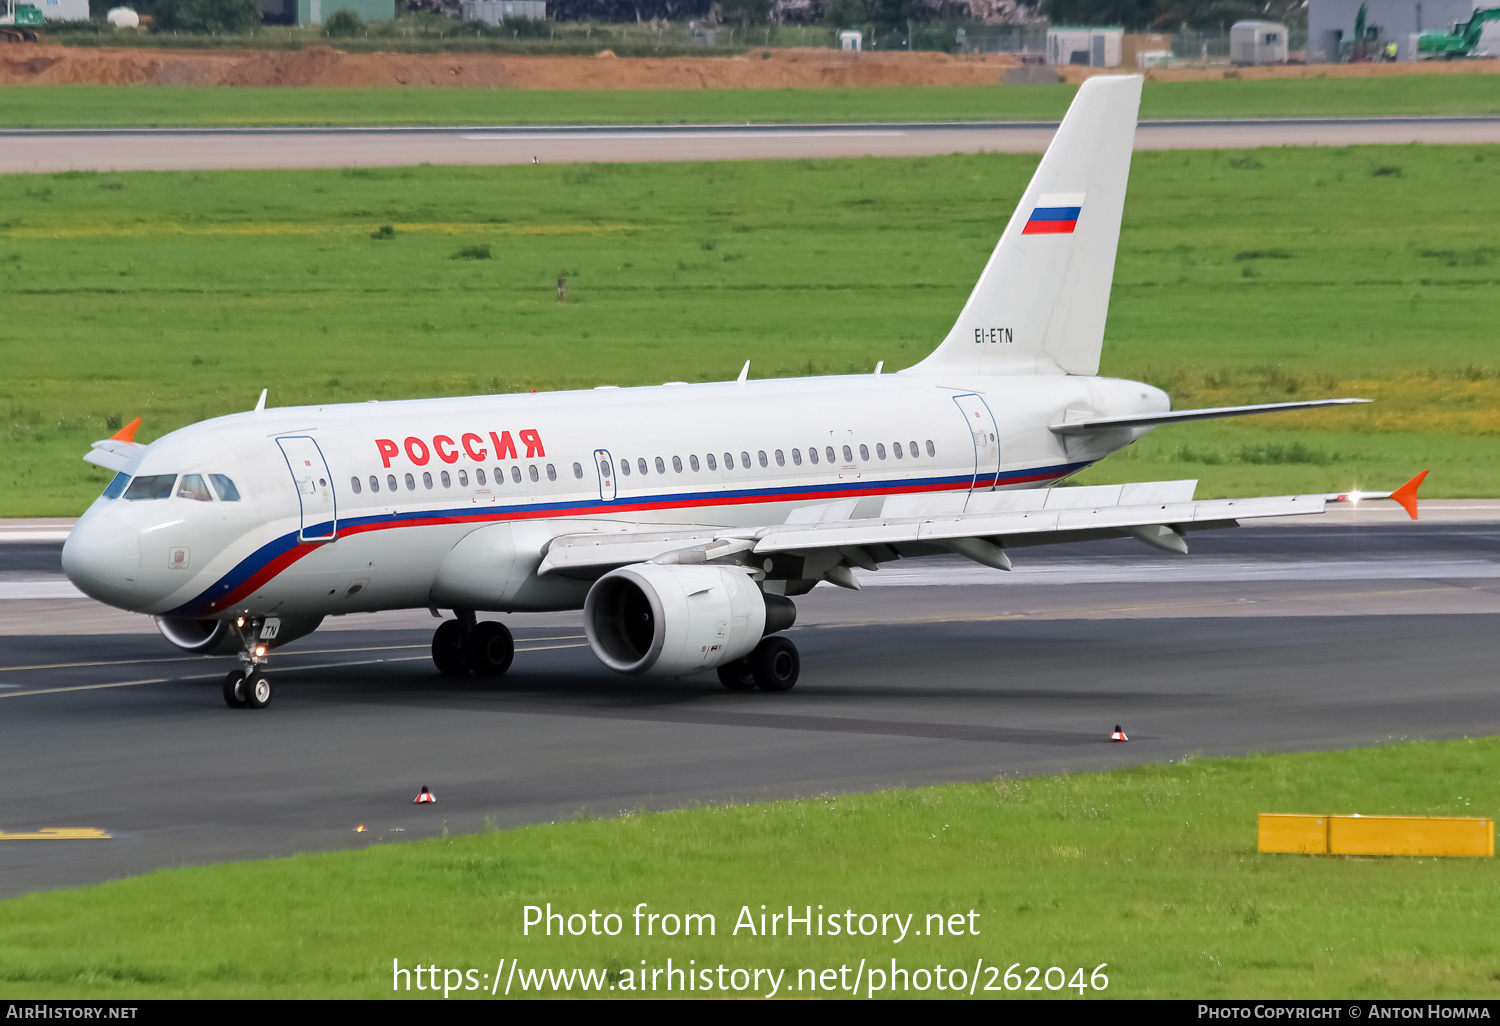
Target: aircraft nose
point(102, 557)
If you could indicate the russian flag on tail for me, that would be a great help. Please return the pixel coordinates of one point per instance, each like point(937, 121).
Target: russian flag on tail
point(1054, 214)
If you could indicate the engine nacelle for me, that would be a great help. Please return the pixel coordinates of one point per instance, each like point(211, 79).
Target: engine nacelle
point(675, 620)
point(218, 637)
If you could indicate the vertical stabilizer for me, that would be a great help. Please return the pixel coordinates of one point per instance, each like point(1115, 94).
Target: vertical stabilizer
point(1041, 303)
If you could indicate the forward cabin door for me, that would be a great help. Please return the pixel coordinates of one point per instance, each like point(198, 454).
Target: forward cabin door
point(320, 522)
point(986, 436)
point(606, 468)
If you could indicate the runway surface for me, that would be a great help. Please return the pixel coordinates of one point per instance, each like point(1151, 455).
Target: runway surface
point(23, 150)
point(1389, 636)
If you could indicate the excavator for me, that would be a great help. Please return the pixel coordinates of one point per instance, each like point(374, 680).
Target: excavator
point(1462, 41)
point(17, 22)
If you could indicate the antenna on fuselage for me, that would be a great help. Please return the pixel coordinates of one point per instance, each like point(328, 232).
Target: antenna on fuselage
point(879, 365)
point(260, 404)
point(744, 373)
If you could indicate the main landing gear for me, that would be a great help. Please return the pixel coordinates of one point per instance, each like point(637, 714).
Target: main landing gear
point(465, 645)
point(773, 665)
point(250, 688)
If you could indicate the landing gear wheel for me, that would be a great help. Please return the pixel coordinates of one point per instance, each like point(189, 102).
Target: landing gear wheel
point(257, 691)
point(234, 690)
point(489, 648)
point(448, 649)
point(737, 676)
point(775, 664)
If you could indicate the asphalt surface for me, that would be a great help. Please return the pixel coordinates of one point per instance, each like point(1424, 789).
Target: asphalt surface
point(901, 685)
point(24, 150)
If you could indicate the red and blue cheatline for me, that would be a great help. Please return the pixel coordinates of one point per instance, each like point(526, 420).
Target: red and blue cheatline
point(1052, 221)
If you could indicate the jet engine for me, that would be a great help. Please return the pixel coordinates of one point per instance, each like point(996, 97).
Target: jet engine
point(674, 620)
point(218, 637)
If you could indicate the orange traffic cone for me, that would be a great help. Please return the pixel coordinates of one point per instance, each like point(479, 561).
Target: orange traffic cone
point(1118, 735)
point(425, 798)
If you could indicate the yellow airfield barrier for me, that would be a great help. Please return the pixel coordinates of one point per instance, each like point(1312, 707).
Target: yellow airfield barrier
point(1303, 834)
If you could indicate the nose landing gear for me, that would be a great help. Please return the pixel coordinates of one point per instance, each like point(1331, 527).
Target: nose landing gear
point(250, 688)
point(462, 646)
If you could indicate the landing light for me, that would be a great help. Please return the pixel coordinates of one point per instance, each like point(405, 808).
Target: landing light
point(260, 650)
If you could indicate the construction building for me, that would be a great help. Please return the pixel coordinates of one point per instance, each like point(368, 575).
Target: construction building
point(1330, 26)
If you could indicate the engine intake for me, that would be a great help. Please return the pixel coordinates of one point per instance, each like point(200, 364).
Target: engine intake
point(674, 620)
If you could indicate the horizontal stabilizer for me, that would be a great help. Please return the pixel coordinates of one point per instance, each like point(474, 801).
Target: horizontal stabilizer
point(1079, 427)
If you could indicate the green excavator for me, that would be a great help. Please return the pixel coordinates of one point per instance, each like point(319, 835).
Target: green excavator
point(1461, 42)
point(17, 22)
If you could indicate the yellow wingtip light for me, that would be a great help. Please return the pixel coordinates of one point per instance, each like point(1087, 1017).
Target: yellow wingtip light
point(127, 433)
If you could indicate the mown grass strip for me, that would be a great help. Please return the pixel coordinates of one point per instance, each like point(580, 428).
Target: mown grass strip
point(202, 106)
point(1243, 276)
point(1152, 870)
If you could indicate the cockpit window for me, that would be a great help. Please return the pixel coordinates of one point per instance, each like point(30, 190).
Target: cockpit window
point(226, 489)
point(117, 486)
point(152, 486)
point(194, 487)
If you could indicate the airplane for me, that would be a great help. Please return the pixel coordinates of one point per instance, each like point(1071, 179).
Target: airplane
point(682, 519)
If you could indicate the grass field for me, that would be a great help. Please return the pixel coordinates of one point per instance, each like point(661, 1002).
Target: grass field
point(1243, 276)
point(1151, 870)
point(138, 106)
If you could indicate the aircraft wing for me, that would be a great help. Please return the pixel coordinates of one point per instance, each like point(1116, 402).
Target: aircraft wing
point(119, 451)
point(981, 527)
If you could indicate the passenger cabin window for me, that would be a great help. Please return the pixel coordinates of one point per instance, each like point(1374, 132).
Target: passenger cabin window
point(447, 481)
point(832, 456)
point(661, 465)
point(194, 487)
point(515, 474)
point(229, 493)
point(479, 477)
point(411, 483)
point(711, 464)
point(677, 464)
point(931, 449)
point(640, 464)
point(354, 484)
point(728, 461)
point(426, 480)
point(797, 457)
point(693, 463)
point(152, 486)
point(880, 449)
point(463, 479)
point(896, 448)
point(848, 455)
point(745, 460)
point(915, 452)
point(780, 458)
point(374, 483)
point(390, 481)
point(116, 486)
point(577, 471)
point(864, 451)
point(812, 454)
point(762, 457)
point(535, 477)
point(604, 469)
point(624, 468)
point(551, 472)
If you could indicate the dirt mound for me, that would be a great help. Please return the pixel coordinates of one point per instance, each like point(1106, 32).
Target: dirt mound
point(324, 66)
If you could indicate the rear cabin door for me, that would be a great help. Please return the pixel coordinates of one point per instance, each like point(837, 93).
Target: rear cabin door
point(314, 488)
point(606, 468)
point(981, 424)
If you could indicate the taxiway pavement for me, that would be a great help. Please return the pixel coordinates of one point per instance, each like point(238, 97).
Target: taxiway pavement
point(47, 150)
point(1293, 637)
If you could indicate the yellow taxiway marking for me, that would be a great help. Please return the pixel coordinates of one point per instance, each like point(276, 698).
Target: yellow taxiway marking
point(56, 834)
point(198, 658)
point(215, 676)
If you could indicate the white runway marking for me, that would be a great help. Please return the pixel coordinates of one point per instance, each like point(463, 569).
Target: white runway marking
point(732, 134)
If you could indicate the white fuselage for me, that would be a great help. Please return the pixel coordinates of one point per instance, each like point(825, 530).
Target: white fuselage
point(354, 507)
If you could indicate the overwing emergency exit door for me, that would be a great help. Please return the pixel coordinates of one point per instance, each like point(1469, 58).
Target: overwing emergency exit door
point(314, 488)
point(986, 438)
point(606, 468)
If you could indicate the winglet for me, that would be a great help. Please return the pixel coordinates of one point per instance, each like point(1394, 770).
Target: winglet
point(126, 433)
point(1406, 495)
